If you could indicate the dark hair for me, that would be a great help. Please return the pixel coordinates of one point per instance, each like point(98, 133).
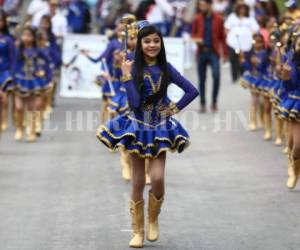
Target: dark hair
point(22, 46)
point(143, 8)
point(207, 1)
point(3, 16)
point(260, 36)
point(140, 64)
point(239, 6)
point(296, 55)
point(50, 34)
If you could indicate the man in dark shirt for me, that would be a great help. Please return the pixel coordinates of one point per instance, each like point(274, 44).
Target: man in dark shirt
point(209, 34)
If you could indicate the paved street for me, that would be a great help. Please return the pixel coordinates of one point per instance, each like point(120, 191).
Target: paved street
point(226, 192)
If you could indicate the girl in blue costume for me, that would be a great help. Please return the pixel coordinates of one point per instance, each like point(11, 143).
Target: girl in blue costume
point(7, 54)
point(275, 82)
point(54, 57)
point(119, 105)
point(278, 91)
point(148, 130)
point(254, 66)
point(56, 61)
point(289, 110)
point(31, 76)
point(107, 59)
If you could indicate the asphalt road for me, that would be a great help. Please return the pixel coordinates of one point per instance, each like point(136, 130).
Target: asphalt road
point(226, 192)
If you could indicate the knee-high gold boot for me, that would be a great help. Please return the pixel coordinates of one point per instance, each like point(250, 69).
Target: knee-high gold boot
point(293, 172)
point(153, 212)
point(19, 120)
point(278, 131)
point(268, 127)
point(147, 172)
point(253, 118)
point(30, 126)
point(137, 218)
point(4, 123)
point(126, 165)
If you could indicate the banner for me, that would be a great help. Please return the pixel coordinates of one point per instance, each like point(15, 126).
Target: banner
point(78, 73)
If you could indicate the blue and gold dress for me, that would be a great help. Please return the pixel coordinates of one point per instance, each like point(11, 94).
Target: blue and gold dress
point(7, 55)
point(143, 130)
point(289, 107)
point(108, 64)
point(253, 77)
point(31, 72)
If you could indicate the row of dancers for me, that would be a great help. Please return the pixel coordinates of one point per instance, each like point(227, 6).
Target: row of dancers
point(272, 74)
point(30, 65)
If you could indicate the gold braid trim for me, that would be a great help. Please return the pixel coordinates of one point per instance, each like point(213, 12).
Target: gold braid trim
point(294, 97)
point(136, 151)
point(126, 78)
point(174, 108)
point(146, 124)
point(137, 143)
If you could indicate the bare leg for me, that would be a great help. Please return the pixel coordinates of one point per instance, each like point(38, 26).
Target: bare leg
point(267, 117)
point(157, 175)
point(138, 177)
point(253, 111)
point(296, 140)
point(4, 109)
point(19, 107)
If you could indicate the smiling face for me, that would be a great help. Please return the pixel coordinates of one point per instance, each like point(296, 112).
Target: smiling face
point(151, 46)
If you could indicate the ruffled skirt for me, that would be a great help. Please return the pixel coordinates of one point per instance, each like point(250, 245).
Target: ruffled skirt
point(28, 87)
point(145, 140)
point(119, 104)
point(251, 82)
point(289, 107)
point(5, 81)
point(107, 91)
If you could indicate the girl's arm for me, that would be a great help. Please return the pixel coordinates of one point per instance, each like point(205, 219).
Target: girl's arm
point(133, 95)
point(190, 91)
point(12, 53)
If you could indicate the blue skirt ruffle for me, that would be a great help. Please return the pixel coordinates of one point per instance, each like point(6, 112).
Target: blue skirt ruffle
point(251, 82)
point(265, 86)
point(107, 92)
point(34, 86)
point(145, 140)
point(289, 107)
point(5, 80)
point(118, 103)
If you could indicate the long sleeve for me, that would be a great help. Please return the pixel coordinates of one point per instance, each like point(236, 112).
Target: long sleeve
point(12, 53)
point(134, 98)
point(190, 91)
point(46, 66)
point(107, 53)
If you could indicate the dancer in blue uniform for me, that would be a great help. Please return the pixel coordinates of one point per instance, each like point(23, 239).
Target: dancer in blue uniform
point(31, 76)
point(254, 66)
point(289, 109)
point(108, 68)
point(44, 100)
point(148, 130)
point(278, 90)
point(7, 54)
point(56, 61)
